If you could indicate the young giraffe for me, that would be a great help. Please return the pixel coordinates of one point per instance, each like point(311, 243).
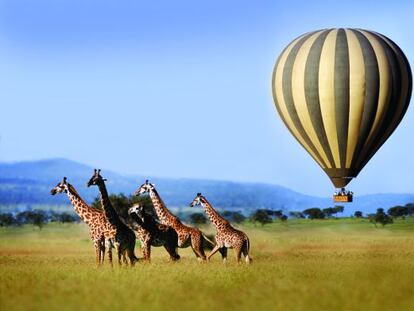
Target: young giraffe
point(151, 233)
point(124, 237)
point(101, 231)
point(186, 235)
point(227, 236)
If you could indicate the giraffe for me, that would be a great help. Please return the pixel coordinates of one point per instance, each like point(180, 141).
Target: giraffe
point(100, 230)
point(151, 233)
point(124, 240)
point(187, 236)
point(227, 236)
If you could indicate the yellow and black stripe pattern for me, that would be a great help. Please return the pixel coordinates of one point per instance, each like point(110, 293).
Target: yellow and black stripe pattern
point(341, 93)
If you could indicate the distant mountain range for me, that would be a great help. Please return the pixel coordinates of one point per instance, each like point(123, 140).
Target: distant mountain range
point(30, 183)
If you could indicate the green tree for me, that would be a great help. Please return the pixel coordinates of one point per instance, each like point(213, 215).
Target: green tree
point(331, 211)
point(67, 218)
point(39, 219)
point(198, 219)
point(314, 213)
point(410, 208)
point(122, 203)
point(338, 209)
point(381, 217)
point(7, 219)
point(261, 216)
point(398, 211)
point(36, 218)
point(236, 217)
point(328, 211)
point(358, 214)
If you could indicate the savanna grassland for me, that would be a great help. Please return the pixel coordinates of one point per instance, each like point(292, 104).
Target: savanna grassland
point(343, 264)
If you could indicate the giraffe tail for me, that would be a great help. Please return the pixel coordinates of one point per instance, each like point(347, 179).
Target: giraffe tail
point(208, 240)
point(247, 243)
point(247, 257)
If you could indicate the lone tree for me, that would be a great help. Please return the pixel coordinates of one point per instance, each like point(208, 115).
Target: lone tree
point(358, 214)
point(381, 217)
point(314, 213)
point(261, 216)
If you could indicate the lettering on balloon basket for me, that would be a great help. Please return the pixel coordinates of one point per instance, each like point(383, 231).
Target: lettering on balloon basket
point(342, 198)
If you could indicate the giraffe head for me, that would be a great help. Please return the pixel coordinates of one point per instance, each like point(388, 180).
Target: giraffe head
point(137, 209)
point(144, 188)
point(96, 179)
point(141, 210)
point(197, 200)
point(61, 187)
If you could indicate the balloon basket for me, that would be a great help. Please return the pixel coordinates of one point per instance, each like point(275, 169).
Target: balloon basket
point(347, 198)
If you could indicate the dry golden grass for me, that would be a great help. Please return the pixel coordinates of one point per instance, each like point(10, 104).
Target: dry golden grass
point(302, 265)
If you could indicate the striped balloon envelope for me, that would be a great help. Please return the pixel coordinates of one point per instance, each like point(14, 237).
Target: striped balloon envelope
point(341, 93)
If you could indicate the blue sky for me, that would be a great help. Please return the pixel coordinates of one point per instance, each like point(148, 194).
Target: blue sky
point(177, 88)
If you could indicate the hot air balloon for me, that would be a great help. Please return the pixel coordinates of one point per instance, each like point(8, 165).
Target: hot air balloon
point(342, 93)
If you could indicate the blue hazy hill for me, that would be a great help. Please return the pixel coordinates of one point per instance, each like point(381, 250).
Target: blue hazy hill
point(30, 183)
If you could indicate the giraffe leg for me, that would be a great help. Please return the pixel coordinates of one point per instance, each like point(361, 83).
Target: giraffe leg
point(97, 252)
point(223, 252)
point(102, 252)
point(172, 251)
point(132, 258)
point(197, 245)
point(109, 246)
point(119, 250)
point(110, 257)
point(237, 252)
point(245, 252)
point(146, 250)
point(213, 251)
point(119, 253)
point(131, 252)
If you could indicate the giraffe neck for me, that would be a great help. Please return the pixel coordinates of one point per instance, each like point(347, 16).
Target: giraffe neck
point(110, 212)
point(80, 206)
point(162, 211)
point(215, 218)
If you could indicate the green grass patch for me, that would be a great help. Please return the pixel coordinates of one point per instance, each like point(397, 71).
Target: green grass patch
point(333, 264)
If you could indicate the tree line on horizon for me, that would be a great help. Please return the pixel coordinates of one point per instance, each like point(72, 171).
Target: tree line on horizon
point(122, 202)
